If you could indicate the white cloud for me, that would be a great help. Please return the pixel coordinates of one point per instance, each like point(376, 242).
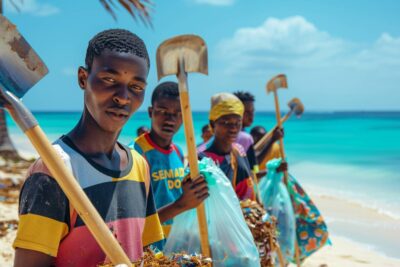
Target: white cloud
point(288, 42)
point(216, 2)
point(384, 52)
point(33, 7)
point(294, 42)
point(69, 71)
point(325, 71)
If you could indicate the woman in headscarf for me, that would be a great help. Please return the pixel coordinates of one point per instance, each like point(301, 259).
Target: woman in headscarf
point(226, 122)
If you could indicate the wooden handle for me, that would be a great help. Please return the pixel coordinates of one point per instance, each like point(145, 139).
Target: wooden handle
point(193, 164)
point(279, 122)
point(282, 150)
point(77, 197)
point(267, 136)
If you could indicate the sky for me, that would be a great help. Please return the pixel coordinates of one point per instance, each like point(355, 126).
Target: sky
point(338, 55)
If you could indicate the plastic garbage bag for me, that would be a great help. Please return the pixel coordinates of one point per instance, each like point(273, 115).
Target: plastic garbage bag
point(230, 239)
point(276, 200)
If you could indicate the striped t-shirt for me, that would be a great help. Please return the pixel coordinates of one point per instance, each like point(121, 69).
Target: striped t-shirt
point(166, 172)
point(235, 166)
point(49, 224)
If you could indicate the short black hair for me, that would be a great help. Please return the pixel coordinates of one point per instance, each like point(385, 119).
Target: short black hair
point(165, 90)
point(118, 40)
point(244, 96)
point(205, 128)
point(257, 130)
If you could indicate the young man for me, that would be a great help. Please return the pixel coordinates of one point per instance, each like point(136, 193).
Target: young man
point(244, 138)
point(257, 133)
point(206, 133)
point(226, 122)
point(172, 193)
point(115, 179)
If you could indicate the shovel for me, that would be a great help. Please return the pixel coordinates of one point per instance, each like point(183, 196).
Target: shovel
point(273, 85)
point(20, 69)
point(178, 56)
point(295, 107)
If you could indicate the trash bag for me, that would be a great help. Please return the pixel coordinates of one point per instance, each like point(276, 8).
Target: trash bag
point(311, 230)
point(230, 239)
point(276, 200)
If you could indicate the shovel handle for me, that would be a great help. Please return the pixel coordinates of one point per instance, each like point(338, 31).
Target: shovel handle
point(282, 150)
point(279, 122)
point(268, 135)
point(77, 196)
point(192, 156)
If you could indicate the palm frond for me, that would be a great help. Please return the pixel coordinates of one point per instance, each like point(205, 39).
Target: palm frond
point(136, 8)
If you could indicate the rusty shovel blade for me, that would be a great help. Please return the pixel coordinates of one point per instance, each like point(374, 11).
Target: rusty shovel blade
point(190, 49)
point(279, 81)
point(297, 106)
point(20, 67)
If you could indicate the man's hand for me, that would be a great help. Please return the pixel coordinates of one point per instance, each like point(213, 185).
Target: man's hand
point(277, 134)
point(283, 167)
point(194, 192)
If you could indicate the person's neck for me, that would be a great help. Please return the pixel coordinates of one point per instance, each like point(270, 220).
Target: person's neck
point(159, 141)
point(221, 148)
point(91, 139)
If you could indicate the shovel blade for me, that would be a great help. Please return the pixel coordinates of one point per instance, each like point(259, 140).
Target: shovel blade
point(20, 67)
point(297, 106)
point(189, 48)
point(279, 81)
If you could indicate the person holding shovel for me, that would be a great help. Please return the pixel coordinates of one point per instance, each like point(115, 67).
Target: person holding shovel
point(256, 157)
point(172, 193)
point(115, 178)
point(257, 132)
point(226, 122)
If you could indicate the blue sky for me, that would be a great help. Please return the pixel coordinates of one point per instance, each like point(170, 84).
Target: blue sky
point(338, 55)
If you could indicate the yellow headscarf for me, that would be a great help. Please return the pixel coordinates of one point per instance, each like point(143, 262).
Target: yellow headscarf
point(225, 104)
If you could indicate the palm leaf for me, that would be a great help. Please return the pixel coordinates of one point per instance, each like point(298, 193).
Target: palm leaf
point(136, 8)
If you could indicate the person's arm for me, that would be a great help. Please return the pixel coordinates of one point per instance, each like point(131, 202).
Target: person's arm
point(31, 258)
point(194, 193)
point(277, 134)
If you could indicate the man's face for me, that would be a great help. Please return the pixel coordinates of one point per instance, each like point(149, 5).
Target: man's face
point(206, 135)
point(248, 115)
point(114, 88)
point(257, 135)
point(166, 117)
point(227, 128)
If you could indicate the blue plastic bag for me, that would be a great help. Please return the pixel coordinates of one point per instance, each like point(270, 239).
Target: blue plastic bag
point(276, 200)
point(230, 239)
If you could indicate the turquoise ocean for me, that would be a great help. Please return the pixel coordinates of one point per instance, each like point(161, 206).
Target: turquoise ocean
point(351, 156)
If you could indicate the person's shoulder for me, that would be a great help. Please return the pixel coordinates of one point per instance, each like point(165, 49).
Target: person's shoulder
point(245, 136)
point(178, 150)
point(142, 144)
point(245, 139)
point(38, 166)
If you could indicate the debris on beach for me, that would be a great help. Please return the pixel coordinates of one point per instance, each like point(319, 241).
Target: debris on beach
point(12, 174)
point(158, 259)
point(263, 229)
point(7, 226)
